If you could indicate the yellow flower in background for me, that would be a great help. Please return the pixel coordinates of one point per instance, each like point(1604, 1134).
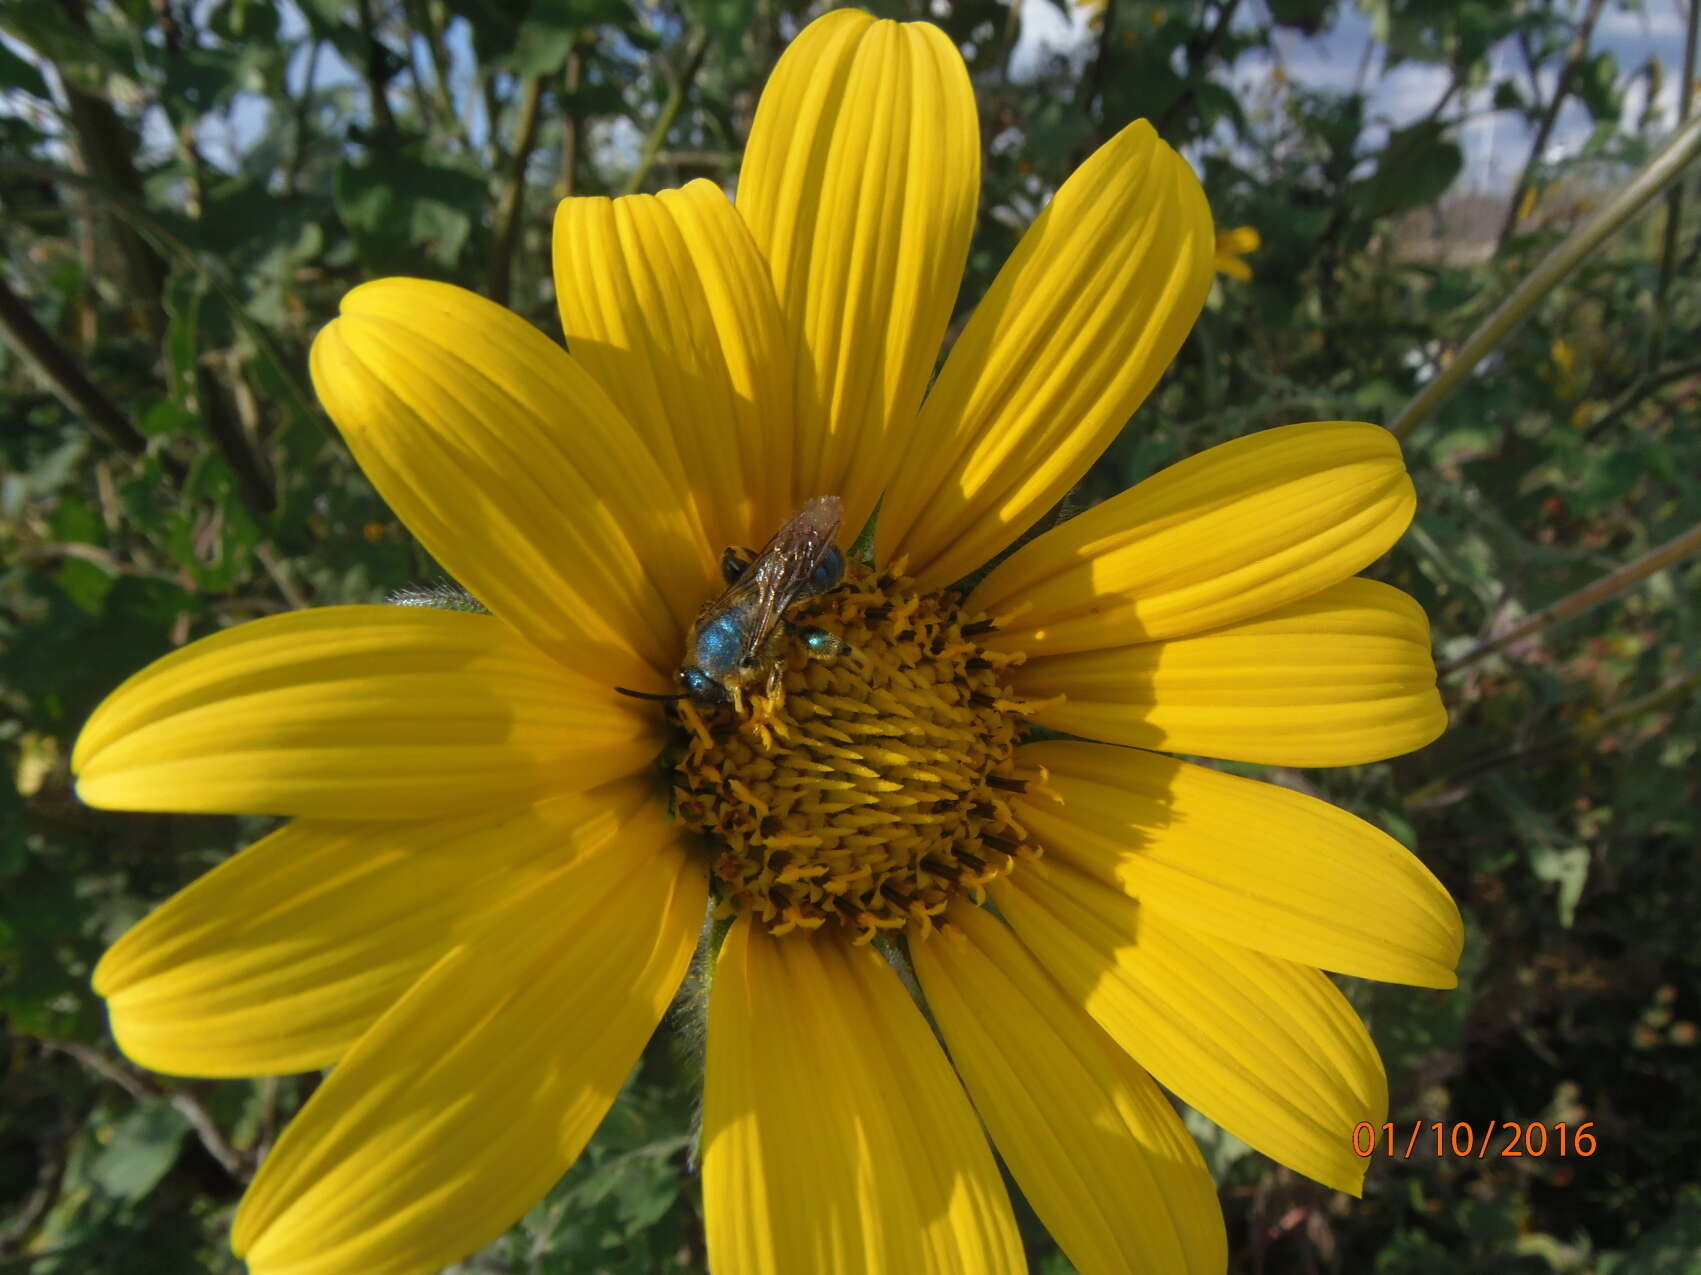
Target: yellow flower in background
point(1232, 246)
point(486, 901)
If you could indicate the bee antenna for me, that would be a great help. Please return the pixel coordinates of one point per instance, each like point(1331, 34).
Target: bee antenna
point(653, 695)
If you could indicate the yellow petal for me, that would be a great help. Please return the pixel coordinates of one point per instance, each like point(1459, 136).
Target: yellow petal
point(280, 958)
point(1268, 1049)
point(1252, 863)
point(1342, 677)
point(356, 712)
point(1094, 1145)
point(1073, 334)
point(516, 472)
point(1234, 244)
point(667, 302)
point(465, 1103)
point(1239, 241)
point(860, 183)
point(836, 1139)
point(1234, 268)
point(1223, 536)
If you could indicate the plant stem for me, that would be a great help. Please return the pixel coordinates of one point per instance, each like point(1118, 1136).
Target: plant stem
point(136, 217)
point(1198, 50)
point(106, 147)
point(296, 153)
point(513, 203)
point(1673, 158)
point(1608, 586)
point(1092, 83)
point(60, 369)
point(427, 18)
point(669, 112)
point(1643, 387)
point(1674, 200)
point(376, 69)
point(1573, 59)
point(140, 1087)
point(571, 78)
point(1552, 748)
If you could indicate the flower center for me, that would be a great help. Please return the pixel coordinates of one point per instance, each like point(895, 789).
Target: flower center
point(874, 786)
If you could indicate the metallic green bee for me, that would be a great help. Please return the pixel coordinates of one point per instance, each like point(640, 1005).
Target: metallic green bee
point(737, 639)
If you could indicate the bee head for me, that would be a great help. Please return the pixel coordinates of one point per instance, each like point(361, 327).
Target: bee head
point(701, 689)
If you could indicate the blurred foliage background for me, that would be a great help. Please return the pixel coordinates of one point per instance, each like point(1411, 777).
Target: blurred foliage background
point(187, 188)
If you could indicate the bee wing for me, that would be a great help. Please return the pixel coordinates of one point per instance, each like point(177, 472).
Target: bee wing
point(779, 575)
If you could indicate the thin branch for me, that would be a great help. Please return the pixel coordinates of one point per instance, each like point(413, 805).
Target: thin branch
point(669, 112)
point(1371, 44)
point(49, 552)
point(1552, 747)
point(492, 112)
point(427, 106)
point(138, 1085)
point(278, 569)
point(1674, 198)
point(137, 216)
point(106, 147)
point(428, 20)
point(1591, 595)
point(513, 204)
point(1197, 52)
point(570, 123)
point(1092, 84)
point(296, 155)
point(697, 159)
point(1664, 168)
point(253, 486)
point(1574, 56)
point(1643, 388)
point(377, 69)
point(64, 375)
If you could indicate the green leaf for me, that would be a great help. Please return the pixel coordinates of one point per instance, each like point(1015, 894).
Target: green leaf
point(17, 73)
point(551, 28)
point(246, 20)
point(142, 1148)
point(1596, 86)
point(395, 205)
point(1415, 168)
point(726, 20)
point(1671, 1248)
point(1508, 98)
point(1306, 15)
point(183, 294)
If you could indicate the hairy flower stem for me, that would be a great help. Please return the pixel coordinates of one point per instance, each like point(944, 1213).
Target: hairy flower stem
point(1683, 147)
point(1608, 586)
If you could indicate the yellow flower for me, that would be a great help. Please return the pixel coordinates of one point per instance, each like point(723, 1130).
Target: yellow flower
point(1232, 245)
point(483, 907)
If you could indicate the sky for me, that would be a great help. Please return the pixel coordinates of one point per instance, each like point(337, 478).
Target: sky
point(1495, 143)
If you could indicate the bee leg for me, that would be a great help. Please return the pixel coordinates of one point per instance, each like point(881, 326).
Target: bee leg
point(775, 689)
